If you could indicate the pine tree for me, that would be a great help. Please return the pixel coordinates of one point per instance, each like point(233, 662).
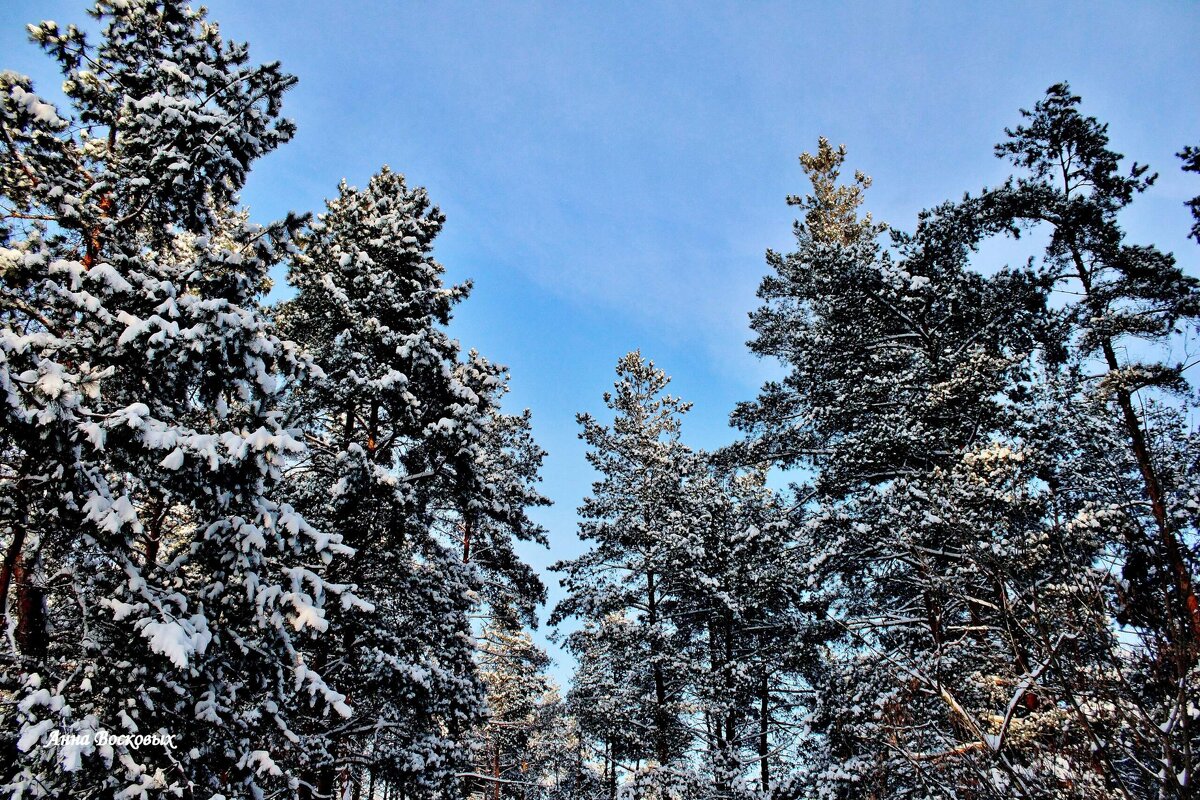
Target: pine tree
point(512, 668)
point(625, 585)
point(913, 393)
point(1128, 291)
point(1119, 298)
point(693, 594)
point(412, 460)
point(501, 487)
point(748, 618)
point(156, 581)
point(558, 756)
point(610, 697)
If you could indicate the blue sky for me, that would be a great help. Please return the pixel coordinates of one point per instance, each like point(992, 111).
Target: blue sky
point(613, 172)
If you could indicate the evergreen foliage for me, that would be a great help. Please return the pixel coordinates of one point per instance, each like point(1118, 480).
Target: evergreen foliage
point(263, 536)
point(280, 547)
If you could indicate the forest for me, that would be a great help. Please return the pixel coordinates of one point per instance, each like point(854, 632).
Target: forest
point(265, 551)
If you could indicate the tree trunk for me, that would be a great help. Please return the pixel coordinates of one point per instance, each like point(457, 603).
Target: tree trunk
point(466, 540)
point(496, 771)
point(661, 744)
point(31, 611)
point(1168, 537)
point(764, 721)
point(716, 742)
point(158, 518)
point(328, 782)
point(610, 752)
point(373, 431)
point(9, 567)
point(731, 718)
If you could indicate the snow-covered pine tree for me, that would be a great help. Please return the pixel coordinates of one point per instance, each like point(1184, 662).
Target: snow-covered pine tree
point(1127, 292)
point(610, 697)
point(624, 586)
point(513, 669)
point(911, 394)
point(1123, 308)
point(411, 459)
point(152, 580)
point(497, 491)
point(746, 613)
point(692, 598)
point(559, 759)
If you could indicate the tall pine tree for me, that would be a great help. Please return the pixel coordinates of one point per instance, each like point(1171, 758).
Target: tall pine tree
point(1124, 307)
point(912, 394)
point(411, 459)
point(624, 584)
point(154, 579)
